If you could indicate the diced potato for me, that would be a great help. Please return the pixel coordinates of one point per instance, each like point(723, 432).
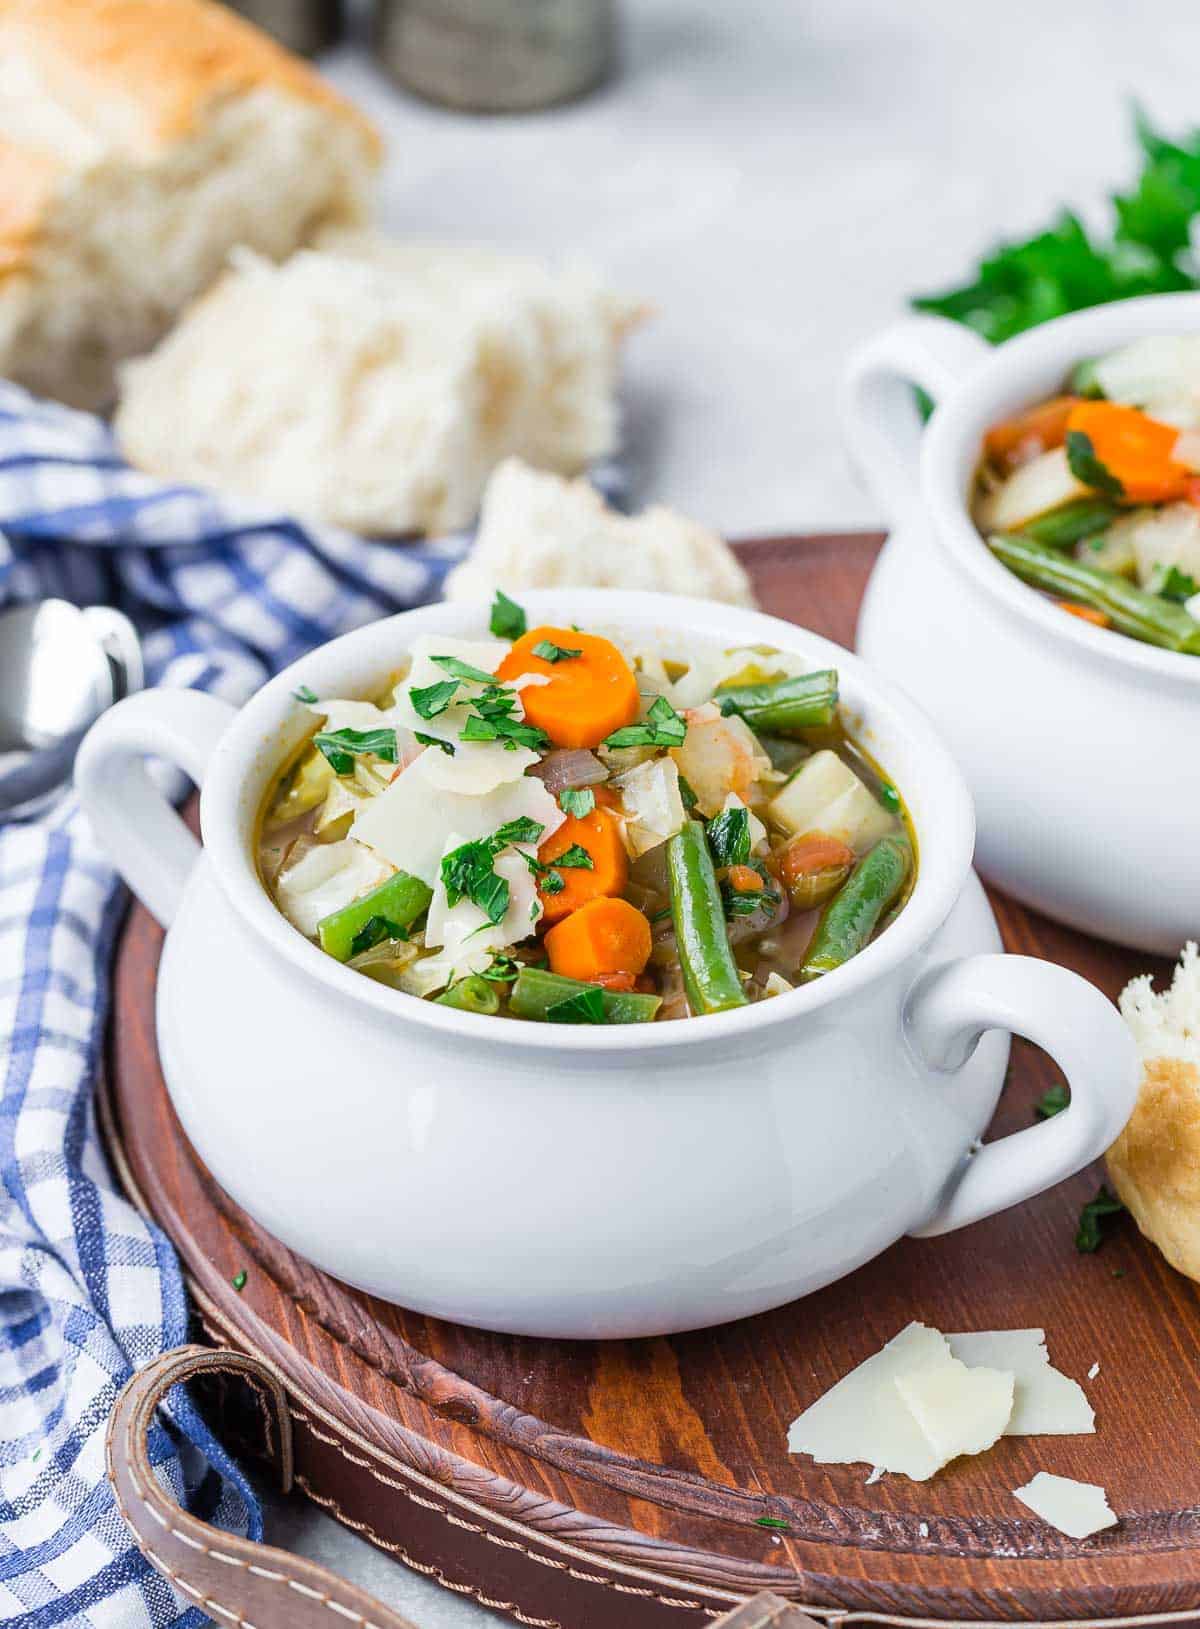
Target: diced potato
point(1044, 483)
point(826, 795)
point(1160, 538)
point(719, 756)
point(1111, 550)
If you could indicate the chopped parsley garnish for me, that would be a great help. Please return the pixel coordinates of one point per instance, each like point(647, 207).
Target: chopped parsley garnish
point(550, 652)
point(584, 1007)
point(1090, 1233)
point(575, 858)
point(239, 1281)
point(514, 732)
point(373, 932)
point(507, 619)
point(502, 970)
point(689, 797)
point(662, 727)
point(434, 741)
point(729, 837)
point(304, 694)
point(1052, 1102)
point(433, 698)
point(341, 747)
point(889, 797)
point(468, 873)
point(1086, 467)
point(552, 883)
point(1178, 586)
point(577, 801)
point(463, 670)
point(772, 1521)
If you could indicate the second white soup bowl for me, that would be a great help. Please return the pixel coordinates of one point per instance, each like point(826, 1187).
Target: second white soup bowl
point(1081, 746)
point(560, 1181)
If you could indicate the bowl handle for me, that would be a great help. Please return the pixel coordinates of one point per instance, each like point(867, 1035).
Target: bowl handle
point(134, 821)
point(880, 419)
point(947, 1011)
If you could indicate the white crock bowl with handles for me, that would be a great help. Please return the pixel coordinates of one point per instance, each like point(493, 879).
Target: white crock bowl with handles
point(559, 1181)
point(1081, 747)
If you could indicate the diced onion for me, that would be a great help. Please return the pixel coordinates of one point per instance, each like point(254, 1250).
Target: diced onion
point(569, 767)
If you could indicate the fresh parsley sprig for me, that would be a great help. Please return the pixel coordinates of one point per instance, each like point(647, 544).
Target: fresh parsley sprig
point(507, 620)
point(1090, 1234)
point(341, 747)
point(729, 837)
point(1086, 467)
point(662, 727)
point(550, 652)
point(431, 699)
point(468, 872)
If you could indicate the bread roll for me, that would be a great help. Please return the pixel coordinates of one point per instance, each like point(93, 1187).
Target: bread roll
point(139, 141)
point(1155, 1162)
point(375, 385)
point(539, 531)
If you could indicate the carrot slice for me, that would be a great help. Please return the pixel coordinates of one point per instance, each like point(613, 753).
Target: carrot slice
point(604, 936)
point(1136, 449)
point(1039, 429)
point(600, 834)
point(589, 695)
point(1085, 613)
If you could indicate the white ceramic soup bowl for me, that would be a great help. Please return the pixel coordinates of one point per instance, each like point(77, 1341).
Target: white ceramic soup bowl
point(561, 1181)
point(1081, 746)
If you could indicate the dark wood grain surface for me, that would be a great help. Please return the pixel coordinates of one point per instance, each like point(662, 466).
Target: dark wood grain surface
point(654, 1460)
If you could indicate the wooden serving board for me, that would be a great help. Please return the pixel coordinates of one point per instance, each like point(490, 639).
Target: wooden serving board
point(621, 1484)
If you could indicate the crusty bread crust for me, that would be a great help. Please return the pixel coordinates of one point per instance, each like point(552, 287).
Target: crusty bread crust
point(1155, 1162)
point(139, 75)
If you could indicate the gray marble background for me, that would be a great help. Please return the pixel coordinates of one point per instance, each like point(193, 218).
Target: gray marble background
point(775, 176)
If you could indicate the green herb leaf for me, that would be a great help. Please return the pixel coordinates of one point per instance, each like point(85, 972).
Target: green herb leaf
point(463, 670)
point(729, 837)
point(662, 727)
point(521, 830)
point(1176, 585)
point(373, 932)
point(304, 694)
point(550, 652)
point(583, 1007)
point(689, 797)
point(552, 882)
point(341, 747)
point(467, 874)
point(577, 801)
point(502, 970)
point(433, 699)
point(239, 1281)
point(512, 731)
point(1052, 1102)
point(1086, 467)
point(772, 1521)
point(434, 741)
point(575, 858)
point(1090, 1233)
point(507, 619)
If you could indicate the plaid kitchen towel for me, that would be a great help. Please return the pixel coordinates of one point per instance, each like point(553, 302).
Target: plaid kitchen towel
point(223, 595)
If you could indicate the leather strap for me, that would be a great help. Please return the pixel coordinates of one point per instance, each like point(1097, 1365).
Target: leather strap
point(252, 1586)
point(246, 1585)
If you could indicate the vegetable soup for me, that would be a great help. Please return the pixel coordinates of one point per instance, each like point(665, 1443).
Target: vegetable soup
point(546, 825)
point(1093, 496)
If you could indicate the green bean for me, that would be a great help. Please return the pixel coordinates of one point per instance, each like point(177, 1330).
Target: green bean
point(471, 994)
point(1084, 381)
point(804, 701)
point(1062, 527)
point(853, 914)
point(710, 974)
point(386, 912)
point(1131, 610)
point(536, 991)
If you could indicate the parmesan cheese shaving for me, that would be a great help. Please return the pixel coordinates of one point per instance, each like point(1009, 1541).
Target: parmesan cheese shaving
point(1046, 1403)
point(1078, 1509)
point(960, 1410)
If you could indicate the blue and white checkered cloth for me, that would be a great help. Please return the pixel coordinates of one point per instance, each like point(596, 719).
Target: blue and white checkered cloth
point(223, 595)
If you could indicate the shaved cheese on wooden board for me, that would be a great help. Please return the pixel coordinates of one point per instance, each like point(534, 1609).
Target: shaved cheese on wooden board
point(866, 1418)
point(1078, 1509)
point(1046, 1403)
point(960, 1410)
point(408, 822)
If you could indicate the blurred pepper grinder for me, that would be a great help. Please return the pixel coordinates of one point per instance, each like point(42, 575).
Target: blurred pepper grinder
point(497, 56)
point(304, 26)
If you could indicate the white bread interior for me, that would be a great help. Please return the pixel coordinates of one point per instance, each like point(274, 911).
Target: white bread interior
point(140, 140)
point(540, 531)
point(375, 385)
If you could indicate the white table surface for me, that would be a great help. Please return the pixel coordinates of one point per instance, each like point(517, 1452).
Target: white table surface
point(775, 176)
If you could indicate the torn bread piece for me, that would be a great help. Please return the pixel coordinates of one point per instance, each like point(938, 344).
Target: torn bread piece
point(867, 1417)
point(539, 531)
point(1045, 1402)
point(1078, 1509)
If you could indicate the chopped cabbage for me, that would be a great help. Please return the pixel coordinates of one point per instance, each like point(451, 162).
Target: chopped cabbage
point(326, 877)
point(652, 804)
